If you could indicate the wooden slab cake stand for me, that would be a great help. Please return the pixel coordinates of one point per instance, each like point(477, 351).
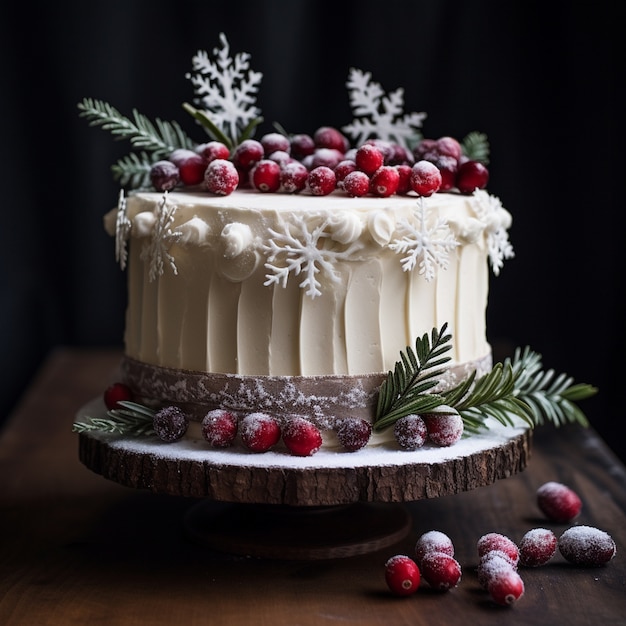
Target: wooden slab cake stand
point(274, 505)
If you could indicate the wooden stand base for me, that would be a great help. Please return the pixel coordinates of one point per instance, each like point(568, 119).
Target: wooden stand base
point(293, 533)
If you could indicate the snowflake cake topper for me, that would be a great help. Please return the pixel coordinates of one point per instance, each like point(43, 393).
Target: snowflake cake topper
point(226, 88)
point(301, 249)
point(425, 246)
point(379, 115)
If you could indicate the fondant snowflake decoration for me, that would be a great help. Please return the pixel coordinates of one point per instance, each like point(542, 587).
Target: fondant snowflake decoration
point(379, 115)
point(156, 251)
point(496, 219)
point(122, 231)
point(226, 87)
point(300, 250)
point(425, 246)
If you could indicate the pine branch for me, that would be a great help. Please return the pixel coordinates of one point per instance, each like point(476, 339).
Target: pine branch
point(405, 389)
point(476, 147)
point(159, 138)
point(133, 419)
point(517, 388)
point(133, 170)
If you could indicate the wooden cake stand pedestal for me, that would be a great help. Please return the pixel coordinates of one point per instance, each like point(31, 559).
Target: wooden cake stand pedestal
point(274, 505)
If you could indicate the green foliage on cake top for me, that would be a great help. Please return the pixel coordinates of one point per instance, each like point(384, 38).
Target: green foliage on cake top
point(516, 388)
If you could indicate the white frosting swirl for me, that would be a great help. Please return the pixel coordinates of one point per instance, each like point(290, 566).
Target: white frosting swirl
point(381, 226)
point(237, 237)
point(143, 223)
point(195, 231)
point(345, 227)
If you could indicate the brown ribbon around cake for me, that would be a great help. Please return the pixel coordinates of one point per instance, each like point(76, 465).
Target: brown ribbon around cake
point(322, 399)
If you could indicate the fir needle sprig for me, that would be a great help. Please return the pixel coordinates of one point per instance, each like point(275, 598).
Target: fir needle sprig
point(156, 140)
point(515, 388)
point(133, 419)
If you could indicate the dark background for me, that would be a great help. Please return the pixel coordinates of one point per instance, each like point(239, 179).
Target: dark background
point(543, 80)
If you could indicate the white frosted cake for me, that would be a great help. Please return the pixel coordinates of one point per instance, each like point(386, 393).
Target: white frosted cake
point(297, 304)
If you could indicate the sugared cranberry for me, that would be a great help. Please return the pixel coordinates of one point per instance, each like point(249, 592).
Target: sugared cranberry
point(426, 149)
point(221, 177)
point(444, 429)
point(247, 153)
point(281, 157)
point(191, 166)
point(219, 428)
point(265, 176)
point(440, 570)
point(259, 432)
point(164, 175)
point(384, 181)
point(301, 145)
point(586, 546)
point(505, 586)
point(449, 146)
point(448, 166)
point(212, 150)
point(497, 541)
point(410, 432)
point(425, 178)
point(433, 541)
point(404, 178)
point(330, 137)
point(354, 433)
point(116, 393)
point(344, 168)
point(302, 437)
point(356, 184)
point(322, 181)
point(327, 157)
point(537, 547)
point(293, 177)
point(369, 158)
point(402, 575)
point(558, 502)
point(170, 423)
point(471, 175)
point(272, 142)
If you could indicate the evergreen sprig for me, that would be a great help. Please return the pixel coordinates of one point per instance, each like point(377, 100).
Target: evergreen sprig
point(405, 389)
point(133, 170)
point(476, 147)
point(133, 419)
point(516, 388)
point(158, 138)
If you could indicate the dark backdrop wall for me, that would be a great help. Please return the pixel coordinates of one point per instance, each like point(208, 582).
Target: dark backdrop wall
point(542, 79)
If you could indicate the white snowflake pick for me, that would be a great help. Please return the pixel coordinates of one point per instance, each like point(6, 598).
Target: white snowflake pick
point(425, 246)
point(379, 115)
point(496, 219)
point(226, 87)
point(122, 231)
point(299, 250)
point(156, 251)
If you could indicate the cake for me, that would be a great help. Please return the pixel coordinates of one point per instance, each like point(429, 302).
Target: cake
point(308, 300)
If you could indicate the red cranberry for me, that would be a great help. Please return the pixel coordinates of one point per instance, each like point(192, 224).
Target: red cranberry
point(356, 184)
point(272, 142)
point(470, 176)
point(221, 177)
point(322, 181)
point(164, 175)
point(330, 137)
point(369, 158)
point(404, 178)
point(301, 146)
point(328, 157)
point(213, 150)
point(293, 177)
point(190, 165)
point(384, 181)
point(425, 178)
point(265, 176)
point(247, 153)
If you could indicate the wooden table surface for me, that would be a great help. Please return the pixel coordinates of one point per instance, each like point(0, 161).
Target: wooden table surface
point(76, 548)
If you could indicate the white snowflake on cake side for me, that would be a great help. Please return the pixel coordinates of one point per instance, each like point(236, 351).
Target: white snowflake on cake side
point(300, 248)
